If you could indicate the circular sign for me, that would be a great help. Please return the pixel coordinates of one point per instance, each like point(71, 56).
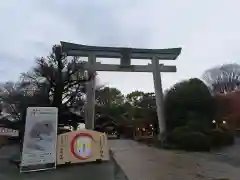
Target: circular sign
point(81, 146)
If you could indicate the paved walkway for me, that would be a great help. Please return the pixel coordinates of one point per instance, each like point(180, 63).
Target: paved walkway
point(140, 162)
point(90, 171)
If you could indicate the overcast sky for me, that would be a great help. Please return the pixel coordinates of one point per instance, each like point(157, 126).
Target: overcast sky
point(207, 30)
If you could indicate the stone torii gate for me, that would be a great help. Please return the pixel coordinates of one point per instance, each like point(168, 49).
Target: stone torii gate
point(125, 55)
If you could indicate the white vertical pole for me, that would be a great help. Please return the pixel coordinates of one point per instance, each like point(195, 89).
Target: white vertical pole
point(159, 96)
point(90, 105)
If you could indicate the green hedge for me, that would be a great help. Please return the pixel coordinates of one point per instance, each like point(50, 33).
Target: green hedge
point(221, 137)
point(177, 134)
point(195, 141)
point(186, 138)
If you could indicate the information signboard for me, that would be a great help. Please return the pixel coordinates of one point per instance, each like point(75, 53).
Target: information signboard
point(40, 139)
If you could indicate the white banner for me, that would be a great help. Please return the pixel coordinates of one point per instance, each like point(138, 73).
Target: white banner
point(40, 138)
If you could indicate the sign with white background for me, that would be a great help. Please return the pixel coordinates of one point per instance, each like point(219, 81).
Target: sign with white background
point(40, 138)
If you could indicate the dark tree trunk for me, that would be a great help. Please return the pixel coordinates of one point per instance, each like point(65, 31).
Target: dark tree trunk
point(59, 88)
point(58, 93)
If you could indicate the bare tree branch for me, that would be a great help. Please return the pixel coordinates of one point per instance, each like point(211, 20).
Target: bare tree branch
point(223, 79)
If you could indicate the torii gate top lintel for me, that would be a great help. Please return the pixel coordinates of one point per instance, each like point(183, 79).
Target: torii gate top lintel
point(117, 52)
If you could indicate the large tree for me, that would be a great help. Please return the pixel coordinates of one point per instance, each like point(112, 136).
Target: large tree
point(141, 99)
point(109, 102)
point(107, 96)
point(134, 97)
point(109, 108)
point(15, 97)
point(188, 102)
point(62, 78)
point(142, 108)
point(56, 80)
point(223, 79)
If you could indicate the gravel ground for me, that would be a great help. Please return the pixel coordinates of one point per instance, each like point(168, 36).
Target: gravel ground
point(91, 171)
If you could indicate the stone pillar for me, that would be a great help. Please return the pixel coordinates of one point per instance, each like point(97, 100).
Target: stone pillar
point(159, 96)
point(90, 105)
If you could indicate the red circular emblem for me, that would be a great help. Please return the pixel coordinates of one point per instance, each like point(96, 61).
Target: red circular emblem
point(81, 146)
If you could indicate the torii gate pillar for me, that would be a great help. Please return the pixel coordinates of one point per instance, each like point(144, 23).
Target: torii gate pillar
point(89, 111)
point(125, 54)
point(157, 80)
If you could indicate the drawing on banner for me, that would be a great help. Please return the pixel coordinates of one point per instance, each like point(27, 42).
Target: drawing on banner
point(41, 136)
point(81, 146)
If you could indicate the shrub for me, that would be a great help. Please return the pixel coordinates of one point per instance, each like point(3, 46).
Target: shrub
point(228, 138)
point(188, 139)
point(221, 137)
point(217, 137)
point(195, 141)
point(188, 100)
point(177, 134)
point(198, 123)
point(185, 138)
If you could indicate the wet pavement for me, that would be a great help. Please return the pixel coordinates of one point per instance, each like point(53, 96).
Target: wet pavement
point(90, 171)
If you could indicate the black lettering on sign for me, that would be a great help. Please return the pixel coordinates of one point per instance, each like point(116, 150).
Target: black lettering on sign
point(101, 146)
point(64, 139)
point(61, 154)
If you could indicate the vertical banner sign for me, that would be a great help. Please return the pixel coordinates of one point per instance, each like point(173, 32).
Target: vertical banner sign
point(40, 139)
